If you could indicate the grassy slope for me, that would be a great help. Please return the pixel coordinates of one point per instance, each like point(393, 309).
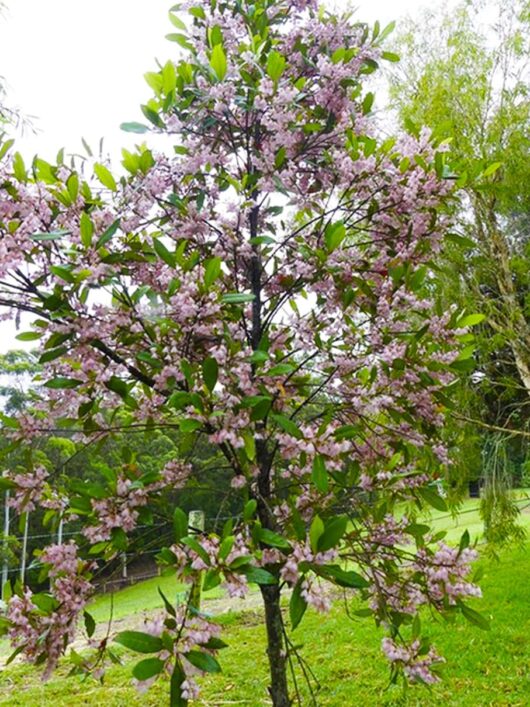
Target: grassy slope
point(482, 668)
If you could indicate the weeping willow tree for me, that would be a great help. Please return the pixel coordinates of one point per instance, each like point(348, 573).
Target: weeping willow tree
point(498, 506)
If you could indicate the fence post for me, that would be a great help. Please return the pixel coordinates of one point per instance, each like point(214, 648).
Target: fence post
point(195, 526)
point(24, 550)
point(5, 566)
point(124, 565)
point(60, 532)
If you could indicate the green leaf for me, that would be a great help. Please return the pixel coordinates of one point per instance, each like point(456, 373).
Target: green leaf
point(6, 146)
point(212, 579)
point(334, 235)
point(63, 272)
point(275, 65)
point(315, 532)
point(190, 424)
point(343, 578)
point(269, 537)
point(195, 545)
point(257, 575)
point(90, 624)
point(176, 21)
point(19, 168)
point(119, 539)
point(249, 509)
point(212, 270)
point(180, 524)
point(133, 127)
point(29, 336)
point(249, 444)
point(60, 382)
point(464, 541)
point(215, 35)
point(175, 695)
point(461, 241)
point(106, 236)
point(180, 39)
point(139, 641)
point(368, 102)
point(50, 235)
point(319, 475)
point(281, 369)
point(86, 228)
point(297, 605)
point(169, 607)
point(148, 668)
point(163, 253)
point(470, 320)
point(105, 176)
point(287, 425)
point(475, 618)
point(334, 531)
point(237, 297)
point(218, 61)
point(210, 373)
point(45, 602)
point(118, 386)
point(203, 661)
point(390, 56)
point(178, 400)
point(491, 169)
point(6, 484)
point(433, 498)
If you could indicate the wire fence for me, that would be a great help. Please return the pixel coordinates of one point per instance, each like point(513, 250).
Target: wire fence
point(126, 558)
point(123, 558)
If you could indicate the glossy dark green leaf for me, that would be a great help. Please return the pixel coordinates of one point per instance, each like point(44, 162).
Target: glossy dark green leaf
point(433, 498)
point(203, 661)
point(297, 605)
point(90, 624)
point(139, 641)
point(148, 668)
point(319, 474)
point(334, 530)
point(210, 372)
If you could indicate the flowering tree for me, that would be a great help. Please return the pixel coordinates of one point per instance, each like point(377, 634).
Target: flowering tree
point(265, 286)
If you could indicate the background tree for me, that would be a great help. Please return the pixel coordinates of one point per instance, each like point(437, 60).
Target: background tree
point(264, 288)
point(466, 74)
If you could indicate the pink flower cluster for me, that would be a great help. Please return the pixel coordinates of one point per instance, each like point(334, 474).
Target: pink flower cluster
point(236, 583)
point(416, 664)
point(30, 488)
point(46, 634)
point(190, 633)
point(445, 573)
point(431, 578)
point(118, 511)
point(122, 509)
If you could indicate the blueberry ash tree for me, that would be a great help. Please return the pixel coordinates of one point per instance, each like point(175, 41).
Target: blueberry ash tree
point(266, 286)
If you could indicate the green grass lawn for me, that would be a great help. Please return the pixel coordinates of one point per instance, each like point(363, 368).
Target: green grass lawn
point(483, 668)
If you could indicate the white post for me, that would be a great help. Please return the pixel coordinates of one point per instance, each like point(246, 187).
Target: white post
point(24, 550)
point(60, 532)
point(5, 567)
point(124, 565)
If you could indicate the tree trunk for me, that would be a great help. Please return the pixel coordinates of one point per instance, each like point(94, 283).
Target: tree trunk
point(514, 323)
point(276, 649)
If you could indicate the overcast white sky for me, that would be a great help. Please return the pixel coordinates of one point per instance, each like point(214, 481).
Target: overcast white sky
point(78, 67)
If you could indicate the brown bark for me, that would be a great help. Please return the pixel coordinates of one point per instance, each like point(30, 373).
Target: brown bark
point(276, 649)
